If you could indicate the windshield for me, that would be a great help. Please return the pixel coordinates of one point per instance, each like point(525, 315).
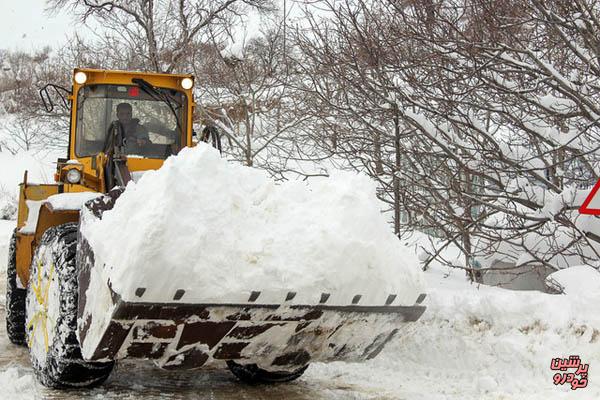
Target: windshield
point(149, 124)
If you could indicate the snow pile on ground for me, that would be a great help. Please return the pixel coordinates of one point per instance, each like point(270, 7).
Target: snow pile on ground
point(580, 280)
point(17, 385)
point(220, 230)
point(473, 342)
point(8, 205)
point(6, 230)
point(479, 342)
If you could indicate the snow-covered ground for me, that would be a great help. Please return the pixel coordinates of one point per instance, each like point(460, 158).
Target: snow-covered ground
point(6, 228)
point(473, 342)
point(485, 343)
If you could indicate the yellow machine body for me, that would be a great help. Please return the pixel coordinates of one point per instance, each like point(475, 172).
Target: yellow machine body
point(272, 332)
point(90, 167)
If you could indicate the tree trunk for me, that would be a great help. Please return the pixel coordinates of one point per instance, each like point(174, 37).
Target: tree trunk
point(395, 178)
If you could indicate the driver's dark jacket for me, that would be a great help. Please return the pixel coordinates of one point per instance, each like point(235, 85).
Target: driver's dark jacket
point(135, 131)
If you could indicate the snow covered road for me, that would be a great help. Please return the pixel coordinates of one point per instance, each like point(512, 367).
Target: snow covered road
point(142, 380)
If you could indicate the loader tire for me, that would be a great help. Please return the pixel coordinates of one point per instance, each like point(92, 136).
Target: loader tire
point(15, 297)
point(51, 309)
point(252, 374)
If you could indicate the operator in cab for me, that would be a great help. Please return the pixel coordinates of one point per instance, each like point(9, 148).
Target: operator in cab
point(134, 131)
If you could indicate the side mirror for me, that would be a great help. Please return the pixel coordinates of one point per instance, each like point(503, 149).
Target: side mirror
point(59, 94)
point(211, 134)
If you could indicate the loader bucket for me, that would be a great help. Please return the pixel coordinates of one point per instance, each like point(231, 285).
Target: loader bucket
point(275, 335)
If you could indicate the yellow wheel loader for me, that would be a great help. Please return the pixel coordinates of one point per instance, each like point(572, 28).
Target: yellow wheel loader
point(61, 306)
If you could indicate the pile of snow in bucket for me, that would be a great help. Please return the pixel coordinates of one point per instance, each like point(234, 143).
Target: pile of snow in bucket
point(219, 231)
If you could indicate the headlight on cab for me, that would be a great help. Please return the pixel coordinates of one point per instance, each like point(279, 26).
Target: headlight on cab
point(187, 83)
point(73, 176)
point(80, 77)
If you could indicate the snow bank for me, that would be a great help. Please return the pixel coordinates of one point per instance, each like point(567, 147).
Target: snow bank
point(6, 230)
point(479, 342)
point(580, 280)
point(485, 342)
point(16, 385)
point(220, 230)
point(8, 203)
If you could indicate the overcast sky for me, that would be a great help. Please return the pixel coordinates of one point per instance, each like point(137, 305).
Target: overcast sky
point(25, 25)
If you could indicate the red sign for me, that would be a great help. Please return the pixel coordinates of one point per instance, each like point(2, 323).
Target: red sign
point(591, 205)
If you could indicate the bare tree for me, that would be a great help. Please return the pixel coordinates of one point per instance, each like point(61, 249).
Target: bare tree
point(478, 118)
point(157, 35)
point(26, 125)
point(250, 97)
